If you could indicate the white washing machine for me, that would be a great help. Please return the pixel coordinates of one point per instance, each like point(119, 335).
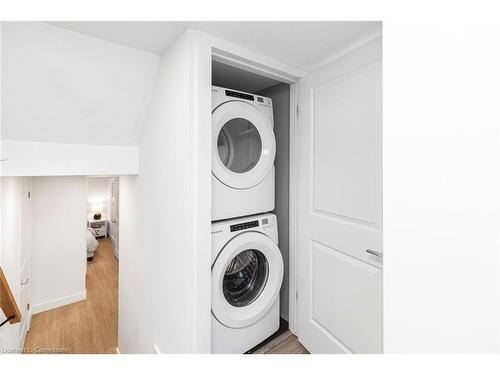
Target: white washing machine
point(247, 272)
point(244, 148)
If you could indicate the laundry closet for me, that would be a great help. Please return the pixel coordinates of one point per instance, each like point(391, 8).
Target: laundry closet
point(250, 164)
point(328, 197)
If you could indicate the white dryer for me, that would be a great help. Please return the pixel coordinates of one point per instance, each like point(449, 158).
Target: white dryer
point(247, 272)
point(244, 148)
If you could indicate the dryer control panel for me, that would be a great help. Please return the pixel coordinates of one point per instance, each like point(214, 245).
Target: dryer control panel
point(242, 226)
point(240, 95)
point(259, 101)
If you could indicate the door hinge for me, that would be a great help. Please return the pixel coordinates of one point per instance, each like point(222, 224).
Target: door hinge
point(297, 110)
point(297, 294)
point(29, 194)
point(28, 307)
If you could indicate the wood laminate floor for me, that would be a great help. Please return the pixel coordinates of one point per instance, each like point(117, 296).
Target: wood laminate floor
point(285, 343)
point(89, 326)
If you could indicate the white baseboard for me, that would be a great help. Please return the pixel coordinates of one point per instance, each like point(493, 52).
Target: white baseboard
point(58, 302)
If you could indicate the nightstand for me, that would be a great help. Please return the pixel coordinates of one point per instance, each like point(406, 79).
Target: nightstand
point(100, 226)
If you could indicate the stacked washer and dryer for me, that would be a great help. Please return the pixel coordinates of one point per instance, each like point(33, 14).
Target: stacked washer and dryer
point(247, 265)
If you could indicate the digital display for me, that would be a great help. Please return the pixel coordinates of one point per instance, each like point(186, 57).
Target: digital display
point(239, 95)
point(260, 100)
point(265, 221)
point(249, 224)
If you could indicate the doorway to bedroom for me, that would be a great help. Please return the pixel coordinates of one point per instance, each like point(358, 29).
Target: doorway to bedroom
point(75, 238)
point(103, 214)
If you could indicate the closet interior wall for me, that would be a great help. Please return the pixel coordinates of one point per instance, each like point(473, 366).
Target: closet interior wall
point(280, 95)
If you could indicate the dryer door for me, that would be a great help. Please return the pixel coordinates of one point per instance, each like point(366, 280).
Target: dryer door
point(243, 145)
point(246, 279)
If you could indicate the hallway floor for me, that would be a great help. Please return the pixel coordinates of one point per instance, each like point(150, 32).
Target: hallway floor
point(89, 326)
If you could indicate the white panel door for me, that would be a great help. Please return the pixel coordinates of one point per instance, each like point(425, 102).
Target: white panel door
point(339, 224)
point(25, 306)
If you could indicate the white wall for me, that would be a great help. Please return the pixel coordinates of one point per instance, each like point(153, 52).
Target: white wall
point(64, 87)
point(441, 187)
point(99, 190)
point(160, 302)
point(11, 200)
point(59, 210)
point(280, 95)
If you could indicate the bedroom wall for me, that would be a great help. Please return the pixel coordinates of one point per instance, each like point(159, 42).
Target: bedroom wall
point(59, 213)
point(99, 190)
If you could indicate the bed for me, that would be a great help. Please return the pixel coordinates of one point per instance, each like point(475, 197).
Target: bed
point(92, 243)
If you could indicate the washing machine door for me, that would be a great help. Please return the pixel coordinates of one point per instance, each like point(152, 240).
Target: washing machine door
point(243, 145)
point(246, 279)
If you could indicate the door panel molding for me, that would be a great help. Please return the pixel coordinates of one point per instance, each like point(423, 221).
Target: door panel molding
point(367, 124)
point(353, 295)
point(352, 220)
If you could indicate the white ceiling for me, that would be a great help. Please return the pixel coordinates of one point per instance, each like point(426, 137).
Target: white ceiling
point(300, 44)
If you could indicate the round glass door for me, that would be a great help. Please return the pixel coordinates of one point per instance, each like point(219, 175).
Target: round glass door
point(245, 278)
point(243, 145)
point(239, 145)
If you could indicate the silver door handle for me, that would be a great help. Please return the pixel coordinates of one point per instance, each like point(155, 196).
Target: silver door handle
point(26, 281)
point(375, 253)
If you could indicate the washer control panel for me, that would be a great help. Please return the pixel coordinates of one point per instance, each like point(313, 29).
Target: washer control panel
point(261, 223)
point(225, 230)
